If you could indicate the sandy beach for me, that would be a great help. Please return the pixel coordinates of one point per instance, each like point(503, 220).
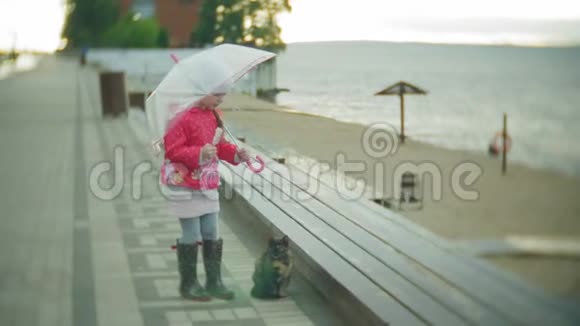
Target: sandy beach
point(525, 202)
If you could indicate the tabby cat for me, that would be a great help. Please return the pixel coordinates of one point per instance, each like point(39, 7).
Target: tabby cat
point(272, 273)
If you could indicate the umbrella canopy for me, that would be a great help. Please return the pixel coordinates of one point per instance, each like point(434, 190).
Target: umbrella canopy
point(212, 71)
point(401, 88)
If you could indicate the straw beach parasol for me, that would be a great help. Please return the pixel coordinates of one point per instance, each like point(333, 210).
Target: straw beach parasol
point(401, 88)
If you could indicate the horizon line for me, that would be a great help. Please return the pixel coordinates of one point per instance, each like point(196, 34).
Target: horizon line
point(562, 45)
point(572, 44)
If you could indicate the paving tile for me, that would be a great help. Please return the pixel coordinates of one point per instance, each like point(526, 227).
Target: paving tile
point(141, 223)
point(148, 240)
point(245, 313)
point(300, 320)
point(176, 316)
point(183, 323)
point(223, 314)
point(200, 315)
point(156, 261)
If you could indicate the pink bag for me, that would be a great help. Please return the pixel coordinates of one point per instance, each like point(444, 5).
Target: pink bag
point(209, 177)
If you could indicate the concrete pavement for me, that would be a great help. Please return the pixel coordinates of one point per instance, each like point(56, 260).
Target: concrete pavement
point(77, 247)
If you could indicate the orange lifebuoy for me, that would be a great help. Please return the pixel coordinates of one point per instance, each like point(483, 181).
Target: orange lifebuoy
point(497, 143)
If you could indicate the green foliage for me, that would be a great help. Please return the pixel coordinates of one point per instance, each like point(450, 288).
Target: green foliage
point(205, 31)
point(249, 22)
point(163, 39)
point(132, 33)
point(87, 20)
point(96, 23)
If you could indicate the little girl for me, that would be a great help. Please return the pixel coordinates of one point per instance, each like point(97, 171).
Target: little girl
point(189, 153)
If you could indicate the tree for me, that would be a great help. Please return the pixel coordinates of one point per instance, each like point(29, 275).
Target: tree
point(132, 32)
point(97, 23)
point(205, 32)
point(264, 30)
point(249, 22)
point(163, 39)
point(87, 20)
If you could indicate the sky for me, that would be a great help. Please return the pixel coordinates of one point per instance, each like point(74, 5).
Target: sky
point(36, 24)
point(524, 22)
point(31, 24)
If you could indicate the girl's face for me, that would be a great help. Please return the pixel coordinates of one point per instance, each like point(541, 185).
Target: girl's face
point(211, 102)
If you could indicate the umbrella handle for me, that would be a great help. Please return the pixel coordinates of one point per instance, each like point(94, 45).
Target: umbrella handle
point(258, 169)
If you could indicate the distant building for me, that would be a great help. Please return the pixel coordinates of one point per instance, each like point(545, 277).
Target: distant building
point(178, 17)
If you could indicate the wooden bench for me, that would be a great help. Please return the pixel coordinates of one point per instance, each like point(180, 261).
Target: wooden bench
point(393, 270)
point(508, 283)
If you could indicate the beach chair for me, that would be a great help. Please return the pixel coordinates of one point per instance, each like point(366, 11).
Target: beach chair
point(411, 197)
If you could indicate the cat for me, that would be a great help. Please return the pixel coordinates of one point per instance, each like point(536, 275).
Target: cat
point(273, 270)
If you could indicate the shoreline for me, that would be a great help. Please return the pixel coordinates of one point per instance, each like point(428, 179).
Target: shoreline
point(562, 45)
point(252, 104)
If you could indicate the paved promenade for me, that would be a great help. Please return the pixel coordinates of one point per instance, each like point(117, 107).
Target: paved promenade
point(81, 250)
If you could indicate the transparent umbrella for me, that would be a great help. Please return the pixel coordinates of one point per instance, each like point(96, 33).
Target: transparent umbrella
point(212, 71)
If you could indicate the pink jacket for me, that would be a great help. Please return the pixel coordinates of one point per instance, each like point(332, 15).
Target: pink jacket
point(190, 131)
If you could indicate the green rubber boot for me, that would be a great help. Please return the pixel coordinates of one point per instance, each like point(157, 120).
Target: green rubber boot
point(212, 260)
point(189, 286)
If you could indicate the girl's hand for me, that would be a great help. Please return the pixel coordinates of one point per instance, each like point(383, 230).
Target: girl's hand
point(208, 152)
point(243, 155)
